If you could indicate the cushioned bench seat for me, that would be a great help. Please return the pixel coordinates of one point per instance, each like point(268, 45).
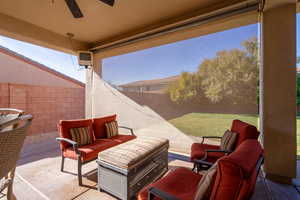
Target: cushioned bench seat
point(130, 154)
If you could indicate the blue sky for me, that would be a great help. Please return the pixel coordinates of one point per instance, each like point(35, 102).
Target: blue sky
point(158, 62)
point(172, 59)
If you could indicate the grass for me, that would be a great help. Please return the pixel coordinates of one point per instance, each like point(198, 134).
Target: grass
point(199, 124)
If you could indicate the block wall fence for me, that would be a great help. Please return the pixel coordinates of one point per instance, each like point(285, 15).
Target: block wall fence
point(162, 105)
point(47, 104)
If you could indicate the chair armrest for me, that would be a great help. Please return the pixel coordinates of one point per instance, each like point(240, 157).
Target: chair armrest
point(155, 192)
point(20, 112)
point(26, 117)
point(259, 163)
point(67, 140)
point(217, 137)
point(131, 130)
point(203, 162)
point(210, 137)
point(73, 143)
point(218, 151)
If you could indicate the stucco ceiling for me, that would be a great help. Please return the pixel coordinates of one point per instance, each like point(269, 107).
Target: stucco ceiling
point(46, 22)
point(102, 22)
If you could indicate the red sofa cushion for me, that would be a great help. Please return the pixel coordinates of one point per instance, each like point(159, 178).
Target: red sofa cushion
point(180, 182)
point(99, 126)
point(244, 131)
point(119, 139)
point(90, 152)
point(236, 176)
point(198, 152)
point(64, 127)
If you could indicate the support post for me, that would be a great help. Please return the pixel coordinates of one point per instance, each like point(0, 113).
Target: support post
point(278, 91)
point(91, 72)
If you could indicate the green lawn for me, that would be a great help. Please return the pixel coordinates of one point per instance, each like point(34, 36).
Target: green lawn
point(199, 124)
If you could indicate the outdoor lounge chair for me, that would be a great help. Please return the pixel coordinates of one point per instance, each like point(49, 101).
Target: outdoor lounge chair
point(12, 137)
point(204, 154)
point(234, 178)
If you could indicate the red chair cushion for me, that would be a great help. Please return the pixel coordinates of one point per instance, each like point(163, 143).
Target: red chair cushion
point(181, 183)
point(99, 125)
point(64, 127)
point(244, 130)
point(236, 176)
point(90, 152)
point(198, 152)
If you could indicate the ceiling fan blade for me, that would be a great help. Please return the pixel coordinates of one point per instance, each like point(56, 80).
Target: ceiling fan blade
point(109, 2)
point(74, 8)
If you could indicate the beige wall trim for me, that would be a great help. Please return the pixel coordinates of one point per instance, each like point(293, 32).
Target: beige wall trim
point(146, 29)
point(204, 18)
point(209, 28)
point(270, 4)
point(24, 31)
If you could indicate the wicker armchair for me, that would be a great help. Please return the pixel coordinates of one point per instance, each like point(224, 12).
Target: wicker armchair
point(12, 136)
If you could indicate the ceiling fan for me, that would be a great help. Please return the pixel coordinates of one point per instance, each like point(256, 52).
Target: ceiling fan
point(75, 10)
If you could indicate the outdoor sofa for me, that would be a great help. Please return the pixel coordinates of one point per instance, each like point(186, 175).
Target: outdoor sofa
point(100, 141)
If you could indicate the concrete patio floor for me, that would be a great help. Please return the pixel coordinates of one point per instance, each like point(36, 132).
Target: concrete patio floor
point(38, 177)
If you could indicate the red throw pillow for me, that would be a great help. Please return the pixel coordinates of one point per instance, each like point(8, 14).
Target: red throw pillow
point(99, 126)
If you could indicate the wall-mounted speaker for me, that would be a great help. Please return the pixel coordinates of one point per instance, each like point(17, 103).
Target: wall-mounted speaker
point(85, 58)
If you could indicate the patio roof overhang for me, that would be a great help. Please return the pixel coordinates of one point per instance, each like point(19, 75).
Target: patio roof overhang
point(46, 23)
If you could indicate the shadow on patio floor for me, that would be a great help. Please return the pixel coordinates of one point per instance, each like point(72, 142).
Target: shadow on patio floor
point(38, 177)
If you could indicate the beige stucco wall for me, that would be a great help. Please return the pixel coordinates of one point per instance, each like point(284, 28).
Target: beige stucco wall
point(16, 71)
point(278, 92)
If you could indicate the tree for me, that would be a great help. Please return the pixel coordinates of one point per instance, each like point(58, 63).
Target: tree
point(185, 88)
point(231, 76)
